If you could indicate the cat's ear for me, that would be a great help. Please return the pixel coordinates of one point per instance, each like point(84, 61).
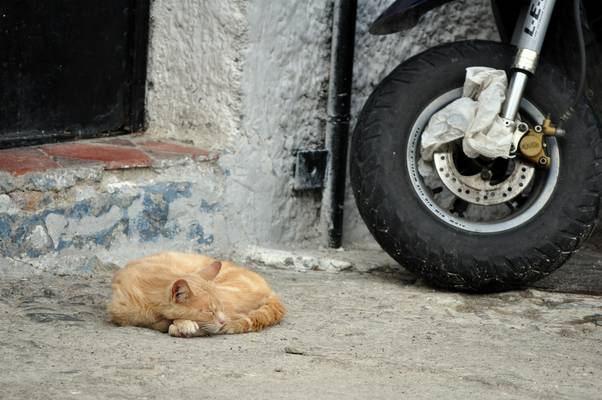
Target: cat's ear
point(209, 273)
point(180, 291)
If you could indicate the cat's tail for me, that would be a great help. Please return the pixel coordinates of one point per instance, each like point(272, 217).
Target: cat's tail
point(268, 314)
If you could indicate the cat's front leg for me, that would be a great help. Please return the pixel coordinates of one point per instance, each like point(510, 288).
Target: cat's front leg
point(161, 325)
point(185, 328)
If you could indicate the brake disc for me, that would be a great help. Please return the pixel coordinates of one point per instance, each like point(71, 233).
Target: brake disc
point(478, 190)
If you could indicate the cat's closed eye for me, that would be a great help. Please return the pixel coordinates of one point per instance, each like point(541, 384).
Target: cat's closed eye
point(209, 314)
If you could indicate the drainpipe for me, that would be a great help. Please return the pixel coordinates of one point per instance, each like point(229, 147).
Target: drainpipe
point(337, 126)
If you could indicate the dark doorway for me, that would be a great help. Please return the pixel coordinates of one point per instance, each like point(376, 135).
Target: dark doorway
point(71, 68)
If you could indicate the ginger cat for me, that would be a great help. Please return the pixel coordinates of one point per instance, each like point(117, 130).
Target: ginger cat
point(192, 295)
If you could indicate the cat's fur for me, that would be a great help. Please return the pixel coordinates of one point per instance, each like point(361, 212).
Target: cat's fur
point(192, 295)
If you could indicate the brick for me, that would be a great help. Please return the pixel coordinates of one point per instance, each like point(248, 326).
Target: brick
point(19, 161)
point(113, 157)
point(115, 142)
point(172, 149)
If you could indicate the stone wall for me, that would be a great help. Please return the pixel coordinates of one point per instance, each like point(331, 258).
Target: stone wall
point(69, 217)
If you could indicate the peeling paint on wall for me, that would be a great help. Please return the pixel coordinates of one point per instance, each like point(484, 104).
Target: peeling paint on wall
point(123, 215)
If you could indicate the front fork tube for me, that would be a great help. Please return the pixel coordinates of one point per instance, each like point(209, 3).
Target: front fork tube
point(529, 41)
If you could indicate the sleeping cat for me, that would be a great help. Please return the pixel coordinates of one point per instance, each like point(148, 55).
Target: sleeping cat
point(192, 295)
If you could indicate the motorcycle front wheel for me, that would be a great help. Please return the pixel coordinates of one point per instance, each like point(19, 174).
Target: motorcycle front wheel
point(524, 224)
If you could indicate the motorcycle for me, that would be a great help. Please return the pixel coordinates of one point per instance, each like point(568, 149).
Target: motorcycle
point(486, 223)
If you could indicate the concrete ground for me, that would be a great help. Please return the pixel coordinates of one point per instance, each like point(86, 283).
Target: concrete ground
point(347, 335)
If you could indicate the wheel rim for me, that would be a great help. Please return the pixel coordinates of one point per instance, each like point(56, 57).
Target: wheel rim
point(541, 189)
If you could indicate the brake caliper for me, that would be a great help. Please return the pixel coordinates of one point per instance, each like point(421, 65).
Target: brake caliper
point(532, 145)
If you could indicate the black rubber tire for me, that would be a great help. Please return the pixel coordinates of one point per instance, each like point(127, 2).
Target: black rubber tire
point(445, 256)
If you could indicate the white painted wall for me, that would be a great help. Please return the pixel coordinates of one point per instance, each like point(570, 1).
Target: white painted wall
point(249, 78)
point(283, 85)
point(194, 70)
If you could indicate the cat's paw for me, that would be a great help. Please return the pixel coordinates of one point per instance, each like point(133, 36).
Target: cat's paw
point(183, 328)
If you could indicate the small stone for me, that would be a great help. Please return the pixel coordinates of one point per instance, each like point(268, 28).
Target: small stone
point(278, 369)
point(38, 239)
point(31, 201)
point(56, 224)
point(95, 265)
point(293, 350)
point(7, 182)
point(85, 193)
point(7, 205)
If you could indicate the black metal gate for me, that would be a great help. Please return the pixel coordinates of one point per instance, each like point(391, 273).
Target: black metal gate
point(71, 68)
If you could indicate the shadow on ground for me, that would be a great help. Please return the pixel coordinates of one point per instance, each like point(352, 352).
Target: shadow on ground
point(581, 274)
